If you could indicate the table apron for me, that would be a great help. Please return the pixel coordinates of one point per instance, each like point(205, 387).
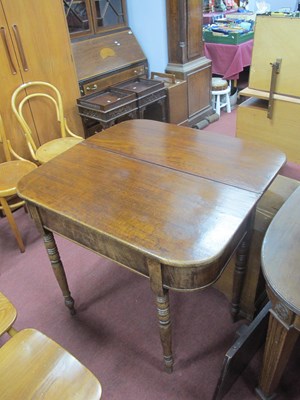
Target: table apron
point(177, 277)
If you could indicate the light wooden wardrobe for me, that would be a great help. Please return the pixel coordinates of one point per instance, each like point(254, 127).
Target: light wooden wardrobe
point(272, 112)
point(35, 45)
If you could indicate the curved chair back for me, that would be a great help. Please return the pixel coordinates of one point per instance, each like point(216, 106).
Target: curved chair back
point(42, 90)
point(11, 171)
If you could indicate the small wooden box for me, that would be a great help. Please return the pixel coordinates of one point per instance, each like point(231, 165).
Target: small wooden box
point(177, 97)
point(107, 105)
point(147, 91)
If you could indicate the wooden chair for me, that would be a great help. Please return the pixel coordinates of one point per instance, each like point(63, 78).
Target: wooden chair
point(11, 171)
point(33, 366)
point(51, 149)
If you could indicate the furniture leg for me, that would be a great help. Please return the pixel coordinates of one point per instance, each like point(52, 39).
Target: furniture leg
point(228, 105)
point(218, 105)
point(280, 342)
point(241, 268)
point(58, 269)
point(12, 224)
point(163, 312)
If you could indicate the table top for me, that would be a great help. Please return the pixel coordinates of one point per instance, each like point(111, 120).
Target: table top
point(228, 60)
point(280, 253)
point(171, 193)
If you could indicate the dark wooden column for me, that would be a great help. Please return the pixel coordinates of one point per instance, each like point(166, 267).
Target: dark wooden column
point(186, 55)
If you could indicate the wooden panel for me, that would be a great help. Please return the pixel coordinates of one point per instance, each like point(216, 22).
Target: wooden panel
point(282, 131)
point(110, 79)
point(178, 103)
point(275, 37)
point(100, 55)
point(10, 78)
point(194, 29)
point(199, 94)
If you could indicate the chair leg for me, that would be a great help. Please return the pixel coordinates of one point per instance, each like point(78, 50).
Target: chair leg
point(218, 105)
point(228, 105)
point(12, 224)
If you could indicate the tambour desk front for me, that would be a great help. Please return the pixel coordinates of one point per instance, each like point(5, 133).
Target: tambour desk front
point(169, 202)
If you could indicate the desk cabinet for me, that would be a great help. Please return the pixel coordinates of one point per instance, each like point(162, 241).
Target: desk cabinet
point(35, 45)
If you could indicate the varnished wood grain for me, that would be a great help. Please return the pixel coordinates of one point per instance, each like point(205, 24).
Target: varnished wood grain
point(153, 194)
point(280, 253)
point(213, 156)
point(32, 366)
point(8, 314)
point(280, 265)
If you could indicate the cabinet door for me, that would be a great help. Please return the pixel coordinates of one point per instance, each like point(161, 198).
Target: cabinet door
point(86, 17)
point(10, 78)
point(108, 14)
point(276, 38)
point(40, 36)
point(79, 17)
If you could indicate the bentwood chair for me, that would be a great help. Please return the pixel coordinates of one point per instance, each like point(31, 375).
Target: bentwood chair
point(50, 149)
point(33, 366)
point(11, 171)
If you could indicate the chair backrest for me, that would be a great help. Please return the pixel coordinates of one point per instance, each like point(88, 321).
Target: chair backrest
point(44, 90)
point(7, 149)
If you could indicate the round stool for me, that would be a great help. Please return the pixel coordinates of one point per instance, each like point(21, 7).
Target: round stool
point(220, 95)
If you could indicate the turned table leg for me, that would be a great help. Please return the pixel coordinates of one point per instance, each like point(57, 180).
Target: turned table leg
point(242, 255)
point(281, 338)
point(54, 257)
point(58, 269)
point(163, 312)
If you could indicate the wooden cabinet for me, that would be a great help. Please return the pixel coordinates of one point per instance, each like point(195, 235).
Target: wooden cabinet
point(276, 38)
point(186, 56)
point(90, 17)
point(272, 113)
point(35, 45)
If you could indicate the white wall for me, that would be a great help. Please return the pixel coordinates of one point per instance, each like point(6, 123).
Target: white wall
point(148, 21)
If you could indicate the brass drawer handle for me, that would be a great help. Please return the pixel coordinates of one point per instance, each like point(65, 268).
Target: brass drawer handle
point(89, 88)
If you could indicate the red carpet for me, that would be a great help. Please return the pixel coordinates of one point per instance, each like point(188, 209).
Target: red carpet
point(115, 331)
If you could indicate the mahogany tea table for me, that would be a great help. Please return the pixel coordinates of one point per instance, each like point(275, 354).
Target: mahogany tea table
point(171, 203)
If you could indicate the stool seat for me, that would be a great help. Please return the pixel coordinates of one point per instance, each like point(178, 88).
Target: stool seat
point(220, 95)
point(218, 84)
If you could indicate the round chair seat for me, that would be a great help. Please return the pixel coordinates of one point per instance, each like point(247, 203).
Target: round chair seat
point(10, 174)
point(55, 147)
point(33, 366)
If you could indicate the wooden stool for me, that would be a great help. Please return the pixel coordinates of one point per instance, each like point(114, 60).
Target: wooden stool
point(281, 268)
point(32, 366)
point(220, 95)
